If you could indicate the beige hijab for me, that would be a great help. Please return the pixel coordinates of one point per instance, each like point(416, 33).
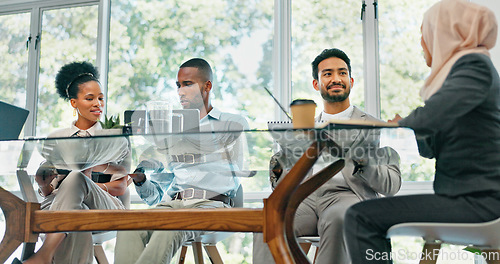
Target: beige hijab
point(452, 29)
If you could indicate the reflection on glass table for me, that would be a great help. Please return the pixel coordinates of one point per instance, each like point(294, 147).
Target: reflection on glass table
point(196, 157)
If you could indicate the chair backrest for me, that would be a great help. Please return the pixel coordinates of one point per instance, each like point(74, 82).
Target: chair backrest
point(26, 186)
point(238, 198)
point(24, 180)
point(485, 234)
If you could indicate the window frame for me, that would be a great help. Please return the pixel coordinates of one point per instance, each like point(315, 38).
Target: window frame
point(36, 9)
point(281, 59)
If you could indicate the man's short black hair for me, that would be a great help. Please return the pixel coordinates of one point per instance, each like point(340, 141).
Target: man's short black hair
point(202, 66)
point(329, 53)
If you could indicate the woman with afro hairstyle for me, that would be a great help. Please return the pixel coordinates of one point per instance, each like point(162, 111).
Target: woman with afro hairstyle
point(78, 83)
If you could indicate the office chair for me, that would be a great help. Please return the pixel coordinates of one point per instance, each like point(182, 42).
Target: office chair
point(306, 242)
point(209, 240)
point(484, 236)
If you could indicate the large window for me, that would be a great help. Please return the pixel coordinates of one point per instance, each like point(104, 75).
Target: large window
point(402, 64)
point(37, 38)
point(402, 73)
point(14, 32)
point(13, 50)
point(68, 34)
point(150, 39)
point(242, 40)
point(319, 25)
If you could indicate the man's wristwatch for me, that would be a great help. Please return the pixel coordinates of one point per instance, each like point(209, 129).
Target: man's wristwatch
point(140, 170)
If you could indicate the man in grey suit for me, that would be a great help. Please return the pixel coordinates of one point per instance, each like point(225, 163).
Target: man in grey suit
point(369, 170)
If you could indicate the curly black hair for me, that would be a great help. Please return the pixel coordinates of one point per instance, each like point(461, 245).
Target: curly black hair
point(71, 75)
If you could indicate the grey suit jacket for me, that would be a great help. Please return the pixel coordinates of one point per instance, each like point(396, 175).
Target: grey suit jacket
point(369, 170)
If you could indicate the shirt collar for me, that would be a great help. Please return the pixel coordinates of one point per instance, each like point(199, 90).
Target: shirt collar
point(90, 131)
point(215, 113)
point(346, 114)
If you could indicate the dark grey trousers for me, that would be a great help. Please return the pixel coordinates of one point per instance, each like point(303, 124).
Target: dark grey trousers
point(317, 216)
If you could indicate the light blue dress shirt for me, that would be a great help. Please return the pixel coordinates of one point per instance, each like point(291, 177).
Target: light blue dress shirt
point(224, 155)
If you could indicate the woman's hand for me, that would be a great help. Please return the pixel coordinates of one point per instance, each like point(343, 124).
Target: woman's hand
point(395, 119)
point(43, 177)
point(110, 168)
point(116, 187)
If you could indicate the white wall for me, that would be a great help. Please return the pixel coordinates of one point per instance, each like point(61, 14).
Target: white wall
point(494, 5)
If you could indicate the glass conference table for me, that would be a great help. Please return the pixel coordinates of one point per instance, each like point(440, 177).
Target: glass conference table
point(236, 154)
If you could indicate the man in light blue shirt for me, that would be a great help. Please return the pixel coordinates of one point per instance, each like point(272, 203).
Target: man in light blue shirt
point(201, 173)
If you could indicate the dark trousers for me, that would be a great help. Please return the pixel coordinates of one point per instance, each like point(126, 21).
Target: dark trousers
point(366, 223)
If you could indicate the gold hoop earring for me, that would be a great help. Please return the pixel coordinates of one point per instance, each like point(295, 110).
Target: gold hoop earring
point(74, 111)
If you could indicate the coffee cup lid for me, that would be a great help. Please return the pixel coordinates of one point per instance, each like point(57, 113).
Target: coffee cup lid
point(302, 101)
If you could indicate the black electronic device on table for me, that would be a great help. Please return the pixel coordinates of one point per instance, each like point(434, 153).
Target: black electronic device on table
point(136, 120)
point(12, 119)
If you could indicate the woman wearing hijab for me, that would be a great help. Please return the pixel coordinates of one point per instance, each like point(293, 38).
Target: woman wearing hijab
point(78, 83)
point(459, 125)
